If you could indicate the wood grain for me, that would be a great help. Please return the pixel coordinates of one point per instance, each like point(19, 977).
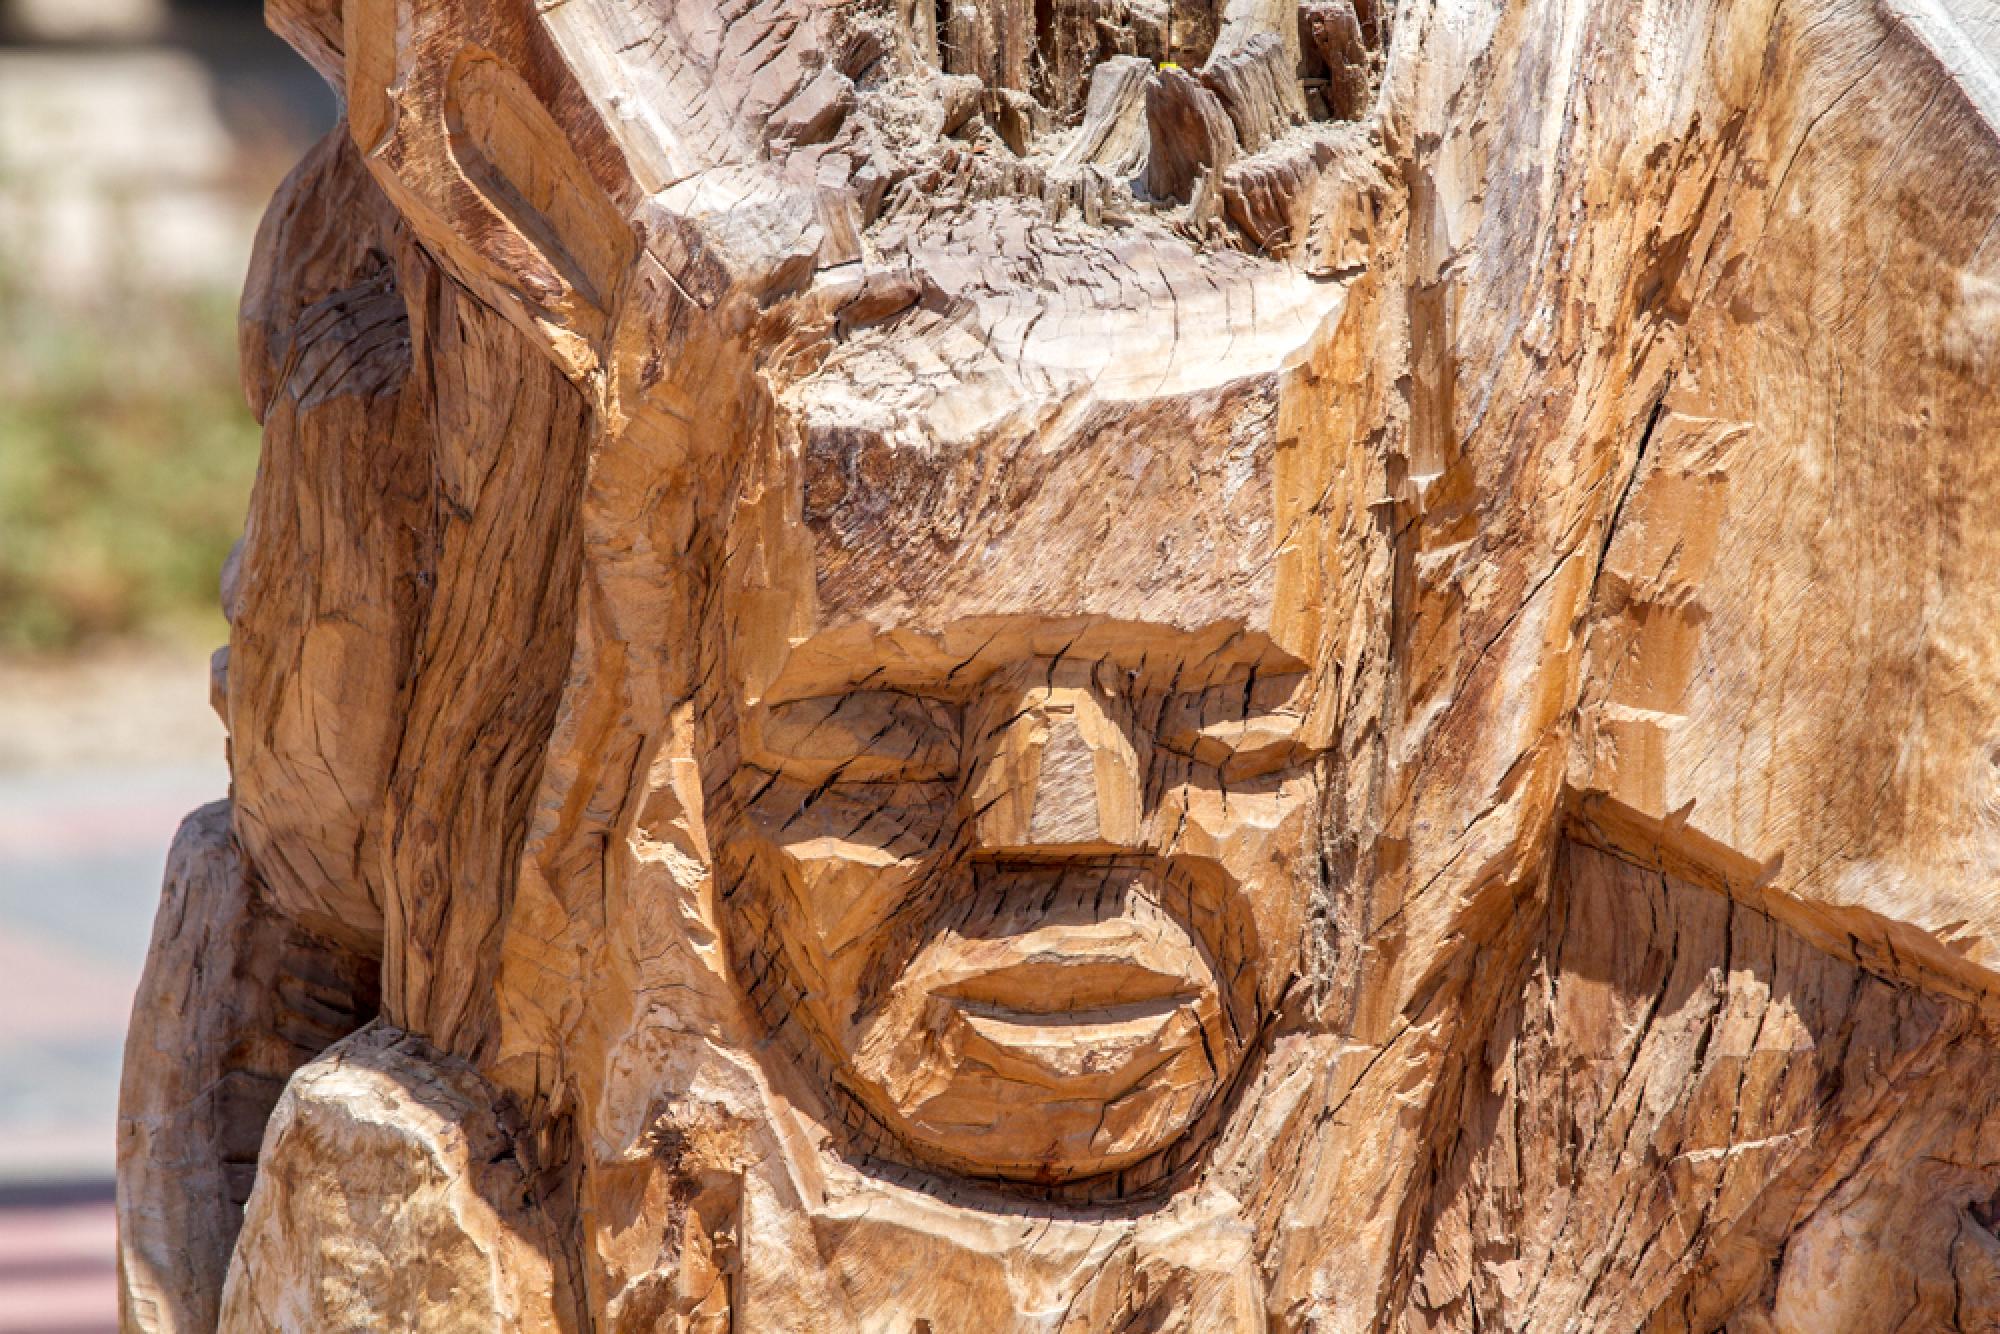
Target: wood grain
point(1109, 665)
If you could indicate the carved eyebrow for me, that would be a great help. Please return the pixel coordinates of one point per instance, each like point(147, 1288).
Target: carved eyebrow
point(857, 736)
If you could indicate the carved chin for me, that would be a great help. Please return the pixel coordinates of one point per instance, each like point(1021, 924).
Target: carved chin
point(1063, 1023)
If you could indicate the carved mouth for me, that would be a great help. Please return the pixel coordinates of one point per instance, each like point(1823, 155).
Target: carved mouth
point(1067, 947)
point(1063, 975)
point(1071, 982)
point(1056, 1017)
point(1060, 1020)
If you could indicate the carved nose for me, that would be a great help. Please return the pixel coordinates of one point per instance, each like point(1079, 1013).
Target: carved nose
point(1056, 771)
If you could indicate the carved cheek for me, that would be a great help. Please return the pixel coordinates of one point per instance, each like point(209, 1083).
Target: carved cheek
point(841, 906)
point(1238, 823)
point(1261, 833)
point(839, 866)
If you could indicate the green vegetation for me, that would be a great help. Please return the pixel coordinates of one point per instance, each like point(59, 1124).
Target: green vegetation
point(126, 456)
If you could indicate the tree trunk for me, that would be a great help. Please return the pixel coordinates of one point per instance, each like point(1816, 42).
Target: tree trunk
point(1111, 665)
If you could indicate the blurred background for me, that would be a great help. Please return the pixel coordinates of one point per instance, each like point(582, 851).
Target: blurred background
point(139, 140)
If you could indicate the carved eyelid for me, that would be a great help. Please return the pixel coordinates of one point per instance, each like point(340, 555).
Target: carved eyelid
point(1246, 728)
point(861, 735)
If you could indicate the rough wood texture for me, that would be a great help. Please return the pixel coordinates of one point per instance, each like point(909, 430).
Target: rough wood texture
point(1109, 665)
point(381, 1152)
point(235, 998)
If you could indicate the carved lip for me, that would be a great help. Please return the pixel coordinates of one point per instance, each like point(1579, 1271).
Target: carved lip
point(1088, 1018)
point(1062, 955)
point(1071, 987)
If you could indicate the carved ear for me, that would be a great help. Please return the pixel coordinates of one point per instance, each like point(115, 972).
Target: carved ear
point(478, 164)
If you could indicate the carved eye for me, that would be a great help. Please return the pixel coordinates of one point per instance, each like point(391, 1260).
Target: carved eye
point(865, 735)
point(1244, 728)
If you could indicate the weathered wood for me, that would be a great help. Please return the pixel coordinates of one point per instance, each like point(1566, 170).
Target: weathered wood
point(1258, 88)
point(234, 999)
point(1336, 39)
point(1109, 665)
point(1270, 197)
point(326, 594)
point(388, 1133)
point(1113, 135)
point(1189, 135)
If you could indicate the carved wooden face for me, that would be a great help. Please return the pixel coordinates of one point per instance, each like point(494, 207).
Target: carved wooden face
point(1021, 842)
point(1030, 911)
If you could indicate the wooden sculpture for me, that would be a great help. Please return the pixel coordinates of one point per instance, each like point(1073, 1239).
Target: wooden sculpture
point(1141, 665)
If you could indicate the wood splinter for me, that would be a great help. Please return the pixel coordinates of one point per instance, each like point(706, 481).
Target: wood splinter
point(1189, 132)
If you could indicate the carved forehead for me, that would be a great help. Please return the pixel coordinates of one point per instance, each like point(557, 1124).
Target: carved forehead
point(1145, 534)
point(1038, 310)
point(1161, 512)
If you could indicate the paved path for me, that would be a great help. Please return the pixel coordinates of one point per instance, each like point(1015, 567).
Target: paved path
point(80, 862)
point(97, 766)
point(58, 1274)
